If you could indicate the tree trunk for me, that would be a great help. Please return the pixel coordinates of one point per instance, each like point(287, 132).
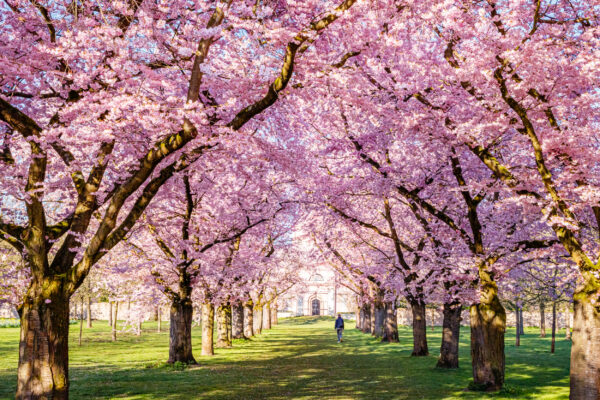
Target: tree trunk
point(432, 322)
point(224, 326)
point(237, 321)
point(110, 313)
point(521, 323)
point(542, 319)
point(138, 331)
point(419, 329)
point(488, 324)
point(567, 322)
point(274, 320)
point(180, 332)
point(89, 311)
point(158, 319)
point(258, 319)
point(379, 315)
point(267, 316)
point(43, 370)
point(357, 316)
point(366, 320)
point(450, 336)
point(517, 328)
point(208, 325)
point(81, 314)
point(390, 326)
point(114, 322)
point(248, 320)
point(553, 327)
point(585, 349)
point(372, 318)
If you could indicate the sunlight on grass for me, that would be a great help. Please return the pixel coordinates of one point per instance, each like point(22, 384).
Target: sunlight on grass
point(298, 359)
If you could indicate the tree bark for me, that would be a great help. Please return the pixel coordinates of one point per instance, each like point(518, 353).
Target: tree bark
point(450, 336)
point(208, 325)
point(267, 316)
point(180, 332)
point(567, 322)
point(248, 320)
point(372, 318)
point(158, 319)
point(585, 349)
point(237, 321)
point(43, 370)
point(432, 322)
point(274, 319)
point(357, 317)
point(379, 315)
point(488, 324)
point(258, 319)
point(114, 322)
point(390, 326)
point(89, 311)
point(224, 326)
point(81, 314)
point(366, 320)
point(521, 323)
point(542, 319)
point(110, 313)
point(419, 328)
point(517, 328)
point(553, 327)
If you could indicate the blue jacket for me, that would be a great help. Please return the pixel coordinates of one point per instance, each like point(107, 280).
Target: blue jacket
point(339, 323)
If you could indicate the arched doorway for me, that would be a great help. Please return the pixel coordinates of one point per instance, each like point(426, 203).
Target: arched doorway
point(316, 307)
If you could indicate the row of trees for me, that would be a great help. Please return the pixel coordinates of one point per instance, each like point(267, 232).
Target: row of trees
point(430, 151)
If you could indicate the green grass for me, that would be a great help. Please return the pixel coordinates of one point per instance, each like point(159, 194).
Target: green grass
point(297, 359)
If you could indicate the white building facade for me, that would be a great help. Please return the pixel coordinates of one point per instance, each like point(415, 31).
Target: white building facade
point(319, 293)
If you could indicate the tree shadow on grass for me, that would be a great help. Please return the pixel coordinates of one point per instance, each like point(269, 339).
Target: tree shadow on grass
point(306, 362)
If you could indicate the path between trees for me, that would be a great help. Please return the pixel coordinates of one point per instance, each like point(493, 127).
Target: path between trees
point(297, 359)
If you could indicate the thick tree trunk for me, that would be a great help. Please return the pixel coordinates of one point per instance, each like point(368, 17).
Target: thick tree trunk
point(553, 327)
point(390, 326)
point(43, 370)
point(248, 320)
point(267, 316)
point(517, 327)
point(542, 319)
point(274, 320)
point(379, 313)
point(357, 317)
point(488, 324)
point(366, 320)
point(180, 332)
point(450, 336)
point(419, 328)
point(237, 321)
point(258, 319)
point(89, 311)
point(208, 326)
point(224, 326)
point(372, 318)
point(114, 322)
point(567, 322)
point(585, 349)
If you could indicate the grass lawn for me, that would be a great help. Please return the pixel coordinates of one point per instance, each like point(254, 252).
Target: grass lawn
point(297, 359)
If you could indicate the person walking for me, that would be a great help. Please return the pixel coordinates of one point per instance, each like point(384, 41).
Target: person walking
point(339, 327)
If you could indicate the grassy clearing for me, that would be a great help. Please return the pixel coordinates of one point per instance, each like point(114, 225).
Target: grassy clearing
point(298, 359)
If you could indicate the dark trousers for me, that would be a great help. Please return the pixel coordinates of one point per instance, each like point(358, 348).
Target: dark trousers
point(339, 332)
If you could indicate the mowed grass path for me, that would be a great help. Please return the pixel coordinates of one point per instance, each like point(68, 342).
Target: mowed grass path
point(297, 359)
